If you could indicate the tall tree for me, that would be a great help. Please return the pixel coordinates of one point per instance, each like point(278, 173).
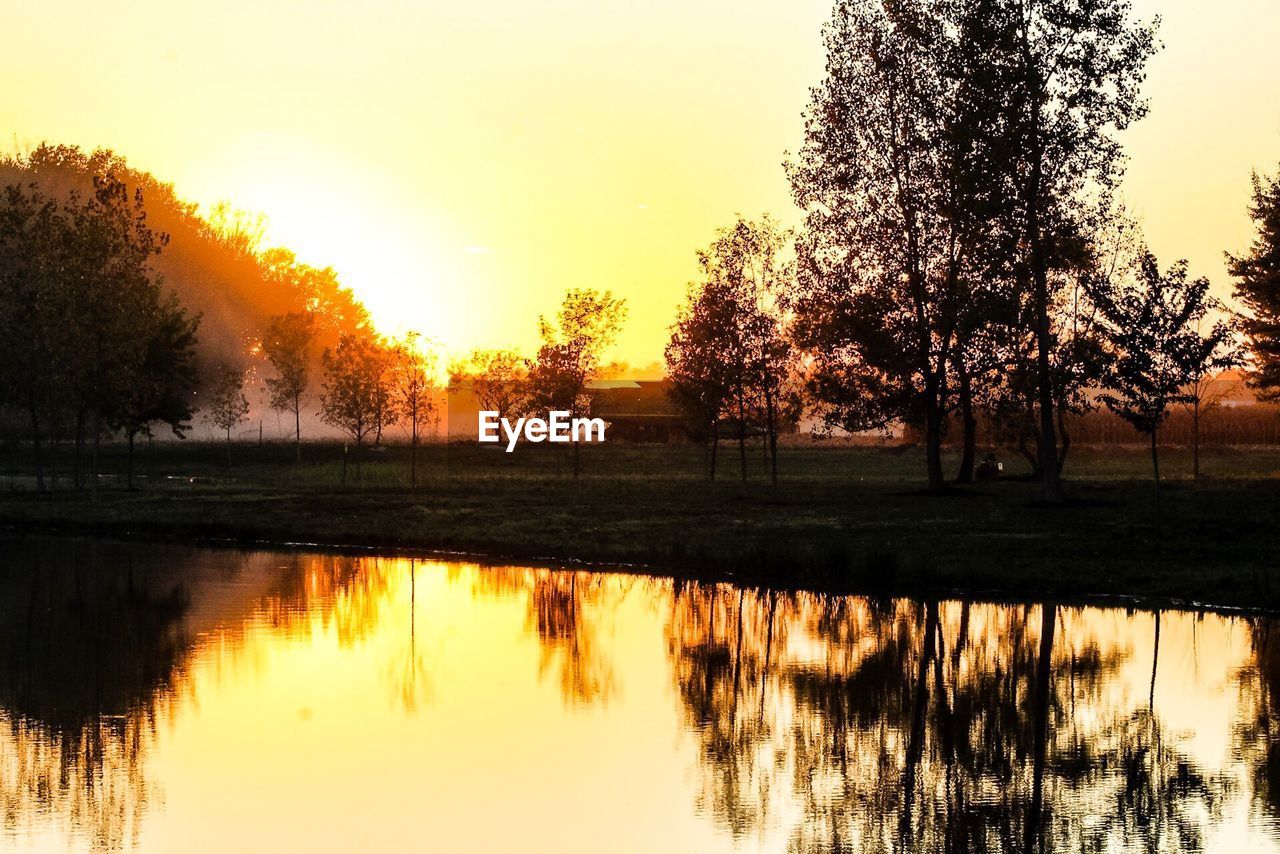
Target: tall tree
point(1070, 71)
point(163, 390)
point(729, 352)
point(287, 345)
point(701, 374)
point(1152, 324)
point(413, 378)
point(1258, 287)
point(572, 352)
point(28, 221)
point(891, 179)
point(227, 407)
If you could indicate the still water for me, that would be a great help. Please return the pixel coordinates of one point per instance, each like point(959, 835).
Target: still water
point(157, 698)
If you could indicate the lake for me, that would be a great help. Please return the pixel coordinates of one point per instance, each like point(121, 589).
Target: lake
point(160, 698)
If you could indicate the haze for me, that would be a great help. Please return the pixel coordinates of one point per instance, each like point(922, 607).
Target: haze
point(446, 157)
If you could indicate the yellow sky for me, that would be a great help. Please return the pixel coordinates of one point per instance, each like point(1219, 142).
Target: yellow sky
point(461, 165)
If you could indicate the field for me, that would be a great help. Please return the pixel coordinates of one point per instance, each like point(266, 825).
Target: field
point(842, 518)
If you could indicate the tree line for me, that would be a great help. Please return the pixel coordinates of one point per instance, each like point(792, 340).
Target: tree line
point(962, 250)
point(961, 254)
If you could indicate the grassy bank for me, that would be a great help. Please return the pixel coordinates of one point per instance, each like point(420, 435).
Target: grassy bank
point(842, 518)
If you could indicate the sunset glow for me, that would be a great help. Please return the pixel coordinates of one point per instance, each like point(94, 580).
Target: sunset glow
point(602, 151)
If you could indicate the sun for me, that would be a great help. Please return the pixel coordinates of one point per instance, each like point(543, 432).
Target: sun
point(331, 215)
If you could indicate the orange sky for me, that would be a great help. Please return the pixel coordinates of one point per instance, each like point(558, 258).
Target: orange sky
point(461, 165)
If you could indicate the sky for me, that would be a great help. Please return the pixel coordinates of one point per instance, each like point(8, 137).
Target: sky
point(462, 165)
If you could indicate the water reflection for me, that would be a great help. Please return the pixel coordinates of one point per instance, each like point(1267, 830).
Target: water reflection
point(154, 698)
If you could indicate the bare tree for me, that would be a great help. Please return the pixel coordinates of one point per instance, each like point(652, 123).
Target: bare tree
point(413, 376)
point(287, 345)
point(1157, 349)
point(228, 406)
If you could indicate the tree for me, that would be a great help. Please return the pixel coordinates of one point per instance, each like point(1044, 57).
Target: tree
point(572, 351)
point(498, 379)
point(356, 396)
point(1151, 324)
point(1070, 72)
point(287, 345)
point(701, 376)
point(110, 245)
point(413, 377)
point(1206, 390)
point(228, 406)
point(1258, 288)
point(164, 388)
point(1077, 362)
point(27, 330)
point(728, 349)
point(892, 180)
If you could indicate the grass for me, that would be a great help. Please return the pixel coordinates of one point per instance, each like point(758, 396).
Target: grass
point(849, 519)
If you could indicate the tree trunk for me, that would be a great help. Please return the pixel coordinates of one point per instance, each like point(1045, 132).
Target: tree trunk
point(228, 447)
point(742, 436)
point(1032, 459)
point(771, 416)
point(413, 455)
point(128, 479)
point(933, 434)
point(1066, 440)
point(53, 452)
point(36, 449)
point(77, 461)
point(97, 445)
point(969, 422)
point(1195, 440)
point(1155, 465)
point(715, 445)
point(1051, 489)
point(297, 430)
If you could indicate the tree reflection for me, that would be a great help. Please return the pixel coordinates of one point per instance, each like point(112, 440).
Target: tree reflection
point(89, 660)
point(97, 641)
point(1258, 731)
point(903, 726)
point(568, 644)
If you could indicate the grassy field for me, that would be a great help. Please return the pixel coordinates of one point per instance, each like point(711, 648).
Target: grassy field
point(843, 518)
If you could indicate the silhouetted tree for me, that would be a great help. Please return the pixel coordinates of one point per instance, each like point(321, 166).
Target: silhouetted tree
point(356, 392)
point(1258, 287)
point(1156, 349)
point(413, 370)
point(892, 181)
point(572, 352)
point(699, 366)
point(163, 391)
point(287, 345)
point(1070, 72)
point(728, 349)
point(498, 380)
point(227, 406)
point(1204, 395)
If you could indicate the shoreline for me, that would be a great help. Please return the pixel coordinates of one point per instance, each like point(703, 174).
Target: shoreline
point(847, 521)
point(194, 539)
